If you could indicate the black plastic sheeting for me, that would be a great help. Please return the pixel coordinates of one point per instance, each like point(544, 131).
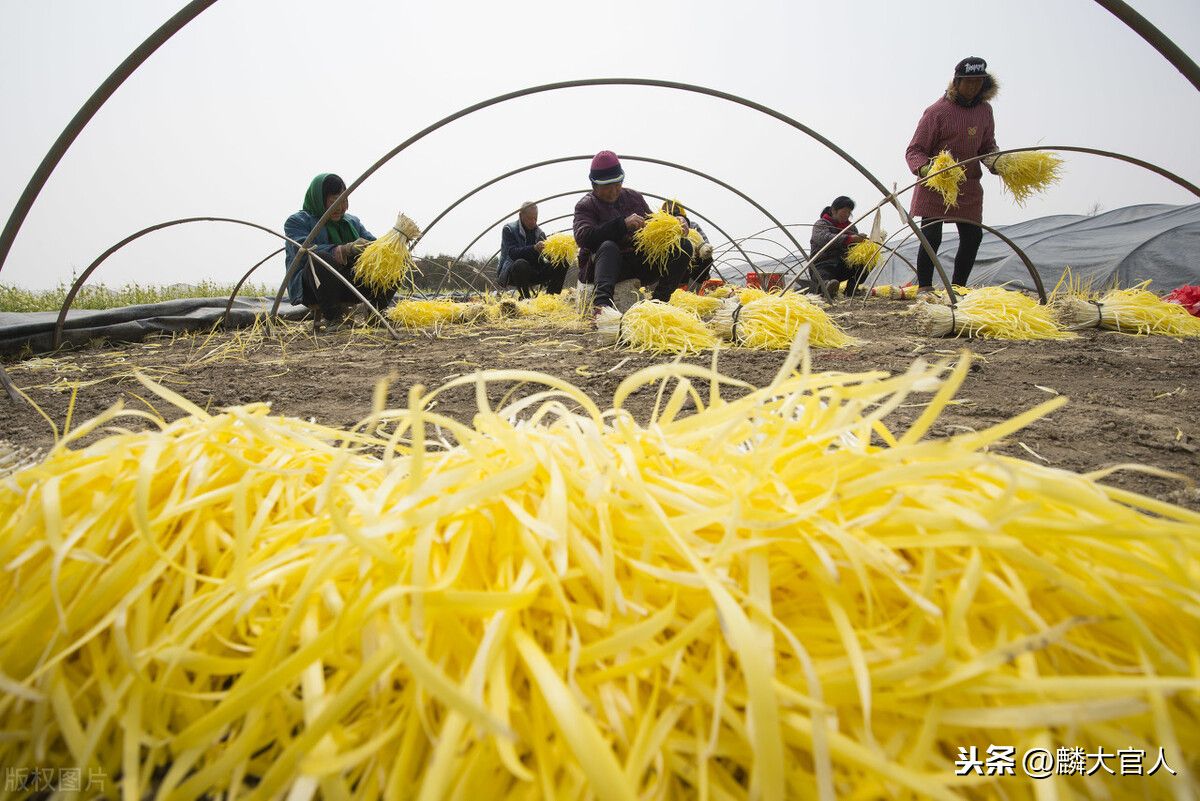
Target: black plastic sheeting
point(33, 331)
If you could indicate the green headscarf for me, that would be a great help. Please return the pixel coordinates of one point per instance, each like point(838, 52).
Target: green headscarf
point(339, 232)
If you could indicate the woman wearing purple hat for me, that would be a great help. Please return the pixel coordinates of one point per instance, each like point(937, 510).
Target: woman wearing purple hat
point(605, 221)
point(961, 122)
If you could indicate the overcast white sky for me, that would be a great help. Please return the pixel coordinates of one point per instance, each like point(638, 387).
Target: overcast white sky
point(240, 109)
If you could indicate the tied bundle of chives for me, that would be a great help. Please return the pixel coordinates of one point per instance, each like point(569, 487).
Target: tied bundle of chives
point(896, 292)
point(694, 237)
point(387, 263)
point(652, 326)
point(748, 294)
point(755, 597)
point(659, 239)
point(864, 254)
point(419, 315)
point(724, 291)
point(1131, 311)
point(700, 305)
point(946, 183)
point(1028, 172)
point(773, 322)
point(990, 313)
point(560, 249)
point(547, 309)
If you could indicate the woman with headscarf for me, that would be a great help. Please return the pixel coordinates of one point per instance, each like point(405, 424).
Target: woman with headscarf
point(834, 224)
point(339, 242)
point(960, 122)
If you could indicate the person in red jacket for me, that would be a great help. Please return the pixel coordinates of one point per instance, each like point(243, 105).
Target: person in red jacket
point(605, 221)
point(961, 122)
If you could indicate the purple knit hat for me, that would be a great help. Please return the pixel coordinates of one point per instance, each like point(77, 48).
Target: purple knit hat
point(606, 169)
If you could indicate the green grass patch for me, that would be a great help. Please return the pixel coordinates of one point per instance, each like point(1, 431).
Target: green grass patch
point(99, 296)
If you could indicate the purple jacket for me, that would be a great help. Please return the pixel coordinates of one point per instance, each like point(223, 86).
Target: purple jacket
point(965, 132)
point(597, 222)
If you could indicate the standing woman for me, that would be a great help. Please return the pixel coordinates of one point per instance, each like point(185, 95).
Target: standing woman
point(339, 243)
point(961, 122)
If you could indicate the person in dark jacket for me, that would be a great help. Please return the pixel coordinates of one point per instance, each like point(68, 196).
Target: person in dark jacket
point(960, 121)
point(702, 261)
point(605, 220)
point(834, 226)
point(521, 262)
point(339, 243)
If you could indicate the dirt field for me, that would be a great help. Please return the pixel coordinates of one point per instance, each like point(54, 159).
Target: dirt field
point(1132, 399)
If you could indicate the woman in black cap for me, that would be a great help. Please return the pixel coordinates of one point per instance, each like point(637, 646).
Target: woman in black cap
point(834, 224)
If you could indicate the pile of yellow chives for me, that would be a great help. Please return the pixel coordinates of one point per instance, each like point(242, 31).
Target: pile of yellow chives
point(560, 249)
point(772, 322)
point(659, 239)
point(946, 183)
point(1028, 172)
point(699, 305)
point(777, 595)
point(651, 326)
point(990, 312)
point(386, 263)
point(418, 315)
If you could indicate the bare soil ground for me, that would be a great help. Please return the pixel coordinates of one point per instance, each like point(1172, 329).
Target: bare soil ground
point(1132, 399)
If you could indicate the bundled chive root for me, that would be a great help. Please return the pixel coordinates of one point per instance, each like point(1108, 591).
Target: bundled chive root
point(1028, 172)
point(946, 183)
point(700, 305)
point(560, 249)
point(773, 322)
point(419, 315)
point(387, 263)
point(1135, 310)
point(659, 239)
point(754, 597)
point(864, 254)
point(655, 327)
point(990, 312)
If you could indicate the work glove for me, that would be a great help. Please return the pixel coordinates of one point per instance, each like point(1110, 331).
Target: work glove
point(990, 162)
point(924, 171)
point(705, 252)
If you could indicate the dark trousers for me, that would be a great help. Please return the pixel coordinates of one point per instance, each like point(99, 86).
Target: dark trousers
point(525, 276)
point(698, 273)
point(323, 289)
point(841, 271)
point(613, 265)
point(969, 237)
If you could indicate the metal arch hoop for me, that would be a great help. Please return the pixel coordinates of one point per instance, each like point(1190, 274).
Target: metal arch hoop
point(482, 233)
point(245, 277)
point(686, 87)
point(91, 268)
point(645, 159)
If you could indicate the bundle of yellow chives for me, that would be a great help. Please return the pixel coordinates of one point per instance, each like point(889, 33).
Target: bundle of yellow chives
point(655, 327)
point(946, 184)
point(864, 254)
point(990, 312)
point(560, 249)
point(659, 239)
point(748, 294)
point(1132, 311)
point(772, 322)
point(895, 292)
point(694, 237)
point(554, 310)
point(699, 305)
point(756, 599)
point(416, 315)
point(1028, 172)
point(722, 292)
point(387, 263)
